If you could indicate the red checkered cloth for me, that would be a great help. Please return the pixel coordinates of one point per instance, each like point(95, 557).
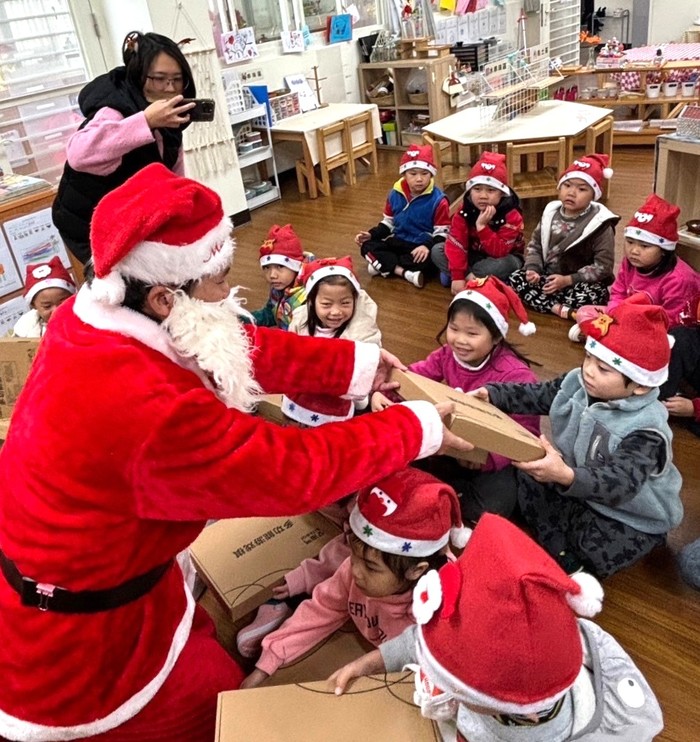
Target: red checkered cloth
point(671, 53)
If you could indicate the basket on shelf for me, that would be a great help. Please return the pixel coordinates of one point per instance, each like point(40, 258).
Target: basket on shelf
point(382, 100)
point(418, 99)
point(283, 105)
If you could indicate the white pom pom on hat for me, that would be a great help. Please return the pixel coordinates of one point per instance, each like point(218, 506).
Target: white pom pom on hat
point(608, 172)
point(527, 328)
point(589, 602)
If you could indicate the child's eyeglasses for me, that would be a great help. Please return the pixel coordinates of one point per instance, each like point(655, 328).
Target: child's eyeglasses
point(162, 82)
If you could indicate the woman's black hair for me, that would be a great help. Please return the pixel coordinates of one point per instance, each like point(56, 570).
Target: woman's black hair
point(668, 262)
point(139, 50)
point(399, 564)
point(313, 322)
point(477, 312)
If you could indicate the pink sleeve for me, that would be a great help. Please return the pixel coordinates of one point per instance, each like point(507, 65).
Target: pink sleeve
point(315, 619)
point(311, 572)
point(431, 367)
point(618, 290)
point(99, 146)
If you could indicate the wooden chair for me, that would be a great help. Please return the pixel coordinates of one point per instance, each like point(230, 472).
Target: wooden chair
point(534, 168)
point(333, 153)
point(363, 145)
point(599, 138)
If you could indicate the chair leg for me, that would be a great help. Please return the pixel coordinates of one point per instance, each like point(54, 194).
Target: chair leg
point(324, 183)
point(352, 167)
point(301, 177)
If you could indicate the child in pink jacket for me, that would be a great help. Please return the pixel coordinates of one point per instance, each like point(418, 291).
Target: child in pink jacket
point(400, 529)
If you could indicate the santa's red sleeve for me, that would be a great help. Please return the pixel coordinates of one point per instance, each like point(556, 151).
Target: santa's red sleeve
point(456, 247)
point(505, 240)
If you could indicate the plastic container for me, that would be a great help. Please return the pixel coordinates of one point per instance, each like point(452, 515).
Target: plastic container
point(688, 89)
point(653, 90)
point(670, 89)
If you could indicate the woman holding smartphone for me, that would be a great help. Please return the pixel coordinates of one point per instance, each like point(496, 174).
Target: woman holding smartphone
point(134, 115)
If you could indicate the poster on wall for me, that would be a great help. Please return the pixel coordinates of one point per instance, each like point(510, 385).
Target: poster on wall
point(10, 312)
point(239, 46)
point(339, 28)
point(10, 279)
point(292, 41)
point(34, 239)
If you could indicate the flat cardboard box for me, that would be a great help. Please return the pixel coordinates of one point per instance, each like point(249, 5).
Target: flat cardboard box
point(475, 421)
point(242, 559)
point(270, 407)
point(378, 707)
point(4, 427)
point(16, 356)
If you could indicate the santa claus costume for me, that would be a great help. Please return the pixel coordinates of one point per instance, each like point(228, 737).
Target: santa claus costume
point(124, 442)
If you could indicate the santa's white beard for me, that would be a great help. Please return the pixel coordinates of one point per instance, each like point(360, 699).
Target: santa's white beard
point(212, 334)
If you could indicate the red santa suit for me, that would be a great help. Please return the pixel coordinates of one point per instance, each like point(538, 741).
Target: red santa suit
point(118, 453)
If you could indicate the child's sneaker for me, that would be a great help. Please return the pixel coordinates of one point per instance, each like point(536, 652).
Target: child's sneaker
point(271, 615)
point(414, 277)
point(372, 270)
point(575, 334)
point(445, 279)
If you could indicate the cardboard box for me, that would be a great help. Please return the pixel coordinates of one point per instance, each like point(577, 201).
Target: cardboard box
point(16, 356)
point(270, 407)
point(242, 559)
point(475, 421)
point(378, 707)
point(4, 427)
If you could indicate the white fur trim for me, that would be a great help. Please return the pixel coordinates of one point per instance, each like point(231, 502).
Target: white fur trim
point(450, 683)
point(173, 265)
point(487, 180)
point(592, 182)
point(487, 305)
point(643, 376)
point(284, 260)
point(377, 538)
point(17, 729)
point(430, 422)
point(589, 602)
point(460, 535)
point(419, 164)
point(366, 363)
point(527, 328)
point(309, 417)
point(644, 235)
point(332, 270)
point(49, 283)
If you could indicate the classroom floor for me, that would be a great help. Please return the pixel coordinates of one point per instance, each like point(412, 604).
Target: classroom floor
point(647, 608)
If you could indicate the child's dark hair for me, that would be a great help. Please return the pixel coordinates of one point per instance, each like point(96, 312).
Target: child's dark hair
point(478, 313)
point(668, 262)
point(140, 49)
point(399, 564)
point(313, 322)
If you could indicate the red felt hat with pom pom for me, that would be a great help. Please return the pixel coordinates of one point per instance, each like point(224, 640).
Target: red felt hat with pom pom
point(656, 223)
point(420, 156)
point(51, 275)
point(317, 270)
point(282, 247)
point(490, 170)
point(593, 169)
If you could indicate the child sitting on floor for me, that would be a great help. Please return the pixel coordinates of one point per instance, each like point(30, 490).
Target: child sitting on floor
point(569, 259)
point(46, 286)
point(476, 353)
point(503, 657)
point(416, 217)
point(281, 259)
point(400, 528)
point(610, 493)
point(486, 235)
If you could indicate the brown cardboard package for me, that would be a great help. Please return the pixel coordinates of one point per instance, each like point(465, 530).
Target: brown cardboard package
point(242, 559)
point(378, 707)
point(270, 407)
point(16, 356)
point(4, 427)
point(475, 421)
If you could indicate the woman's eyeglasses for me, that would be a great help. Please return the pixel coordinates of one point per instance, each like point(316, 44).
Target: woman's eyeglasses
point(162, 81)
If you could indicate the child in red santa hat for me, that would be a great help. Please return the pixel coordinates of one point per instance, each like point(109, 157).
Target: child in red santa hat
point(486, 235)
point(569, 259)
point(281, 259)
point(606, 493)
point(476, 353)
point(503, 657)
point(399, 529)
point(46, 286)
point(416, 217)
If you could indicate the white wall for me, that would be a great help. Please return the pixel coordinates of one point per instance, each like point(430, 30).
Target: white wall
point(121, 18)
point(668, 19)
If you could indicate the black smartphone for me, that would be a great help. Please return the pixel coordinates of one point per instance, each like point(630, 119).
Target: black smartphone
point(203, 109)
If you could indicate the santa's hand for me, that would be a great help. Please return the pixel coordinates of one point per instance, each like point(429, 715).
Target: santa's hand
point(550, 468)
point(387, 362)
point(368, 664)
point(450, 442)
point(254, 679)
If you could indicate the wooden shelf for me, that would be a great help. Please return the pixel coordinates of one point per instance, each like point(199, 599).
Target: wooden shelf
point(637, 101)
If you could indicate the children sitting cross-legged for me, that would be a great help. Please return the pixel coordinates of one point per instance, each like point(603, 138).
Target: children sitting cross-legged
point(486, 235)
point(569, 259)
point(502, 655)
point(46, 286)
point(416, 217)
point(399, 529)
point(475, 353)
point(606, 493)
point(281, 259)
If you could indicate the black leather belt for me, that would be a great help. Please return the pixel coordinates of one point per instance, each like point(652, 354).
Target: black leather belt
point(48, 597)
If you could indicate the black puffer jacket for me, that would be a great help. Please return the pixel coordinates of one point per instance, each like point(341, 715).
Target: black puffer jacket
point(79, 192)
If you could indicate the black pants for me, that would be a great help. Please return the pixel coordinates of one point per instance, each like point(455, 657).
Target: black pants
point(575, 296)
point(685, 361)
point(393, 252)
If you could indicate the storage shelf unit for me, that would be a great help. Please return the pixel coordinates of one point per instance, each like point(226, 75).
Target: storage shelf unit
point(402, 110)
point(564, 26)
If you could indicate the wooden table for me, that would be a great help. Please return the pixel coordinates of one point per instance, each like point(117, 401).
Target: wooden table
point(302, 129)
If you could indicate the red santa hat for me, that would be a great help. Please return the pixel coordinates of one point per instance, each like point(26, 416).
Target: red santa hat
point(316, 270)
point(592, 169)
point(498, 628)
point(282, 247)
point(633, 339)
point(313, 410)
point(159, 228)
point(51, 275)
point(499, 300)
point(490, 170)
point(410, 513)
point(655, 222)
point(420, 156)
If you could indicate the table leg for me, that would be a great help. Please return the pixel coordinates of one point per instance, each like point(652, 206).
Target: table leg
point(310, 171)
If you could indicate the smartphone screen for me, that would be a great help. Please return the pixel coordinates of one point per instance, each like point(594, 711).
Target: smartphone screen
point(203, 109)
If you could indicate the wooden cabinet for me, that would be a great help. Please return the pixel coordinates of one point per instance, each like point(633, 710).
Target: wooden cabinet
point(414, 110)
